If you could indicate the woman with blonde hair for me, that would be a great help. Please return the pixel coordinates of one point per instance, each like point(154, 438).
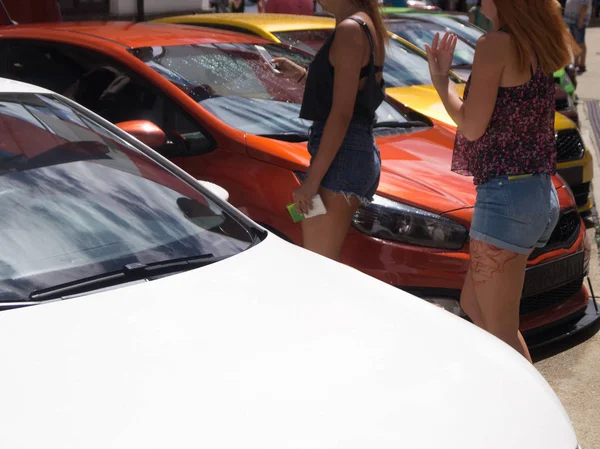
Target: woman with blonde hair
point(505, 140)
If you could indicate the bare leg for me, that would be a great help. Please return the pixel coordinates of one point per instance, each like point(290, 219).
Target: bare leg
point(469, 303)
point(325, 234)
point(498, 276)
point(583, 54)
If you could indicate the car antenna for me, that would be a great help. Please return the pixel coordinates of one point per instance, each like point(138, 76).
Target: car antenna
point(12, 22)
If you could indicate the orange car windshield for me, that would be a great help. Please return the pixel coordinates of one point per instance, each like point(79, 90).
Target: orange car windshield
point(237, 85)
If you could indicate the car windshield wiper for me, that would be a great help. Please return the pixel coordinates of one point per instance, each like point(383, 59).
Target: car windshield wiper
point(287, 137)
point(460, 66)
point(130, 272)
point(394, 124)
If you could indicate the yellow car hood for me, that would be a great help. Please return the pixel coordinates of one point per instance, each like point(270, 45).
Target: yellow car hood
point(425, 99)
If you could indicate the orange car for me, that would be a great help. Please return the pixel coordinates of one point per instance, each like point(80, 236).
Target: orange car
point(206, 100)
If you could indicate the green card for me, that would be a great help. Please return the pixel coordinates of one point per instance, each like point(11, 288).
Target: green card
point(296, 216)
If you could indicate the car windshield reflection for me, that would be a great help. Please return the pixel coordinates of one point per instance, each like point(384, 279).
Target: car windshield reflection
point(79, 201)
point(421, 33)
point(403, 65)
point(235, 84)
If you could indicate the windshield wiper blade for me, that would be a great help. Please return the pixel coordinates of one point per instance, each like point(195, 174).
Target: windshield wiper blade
point(460, 66)
point(131, 272)
point(287, 137)
point(394, 124)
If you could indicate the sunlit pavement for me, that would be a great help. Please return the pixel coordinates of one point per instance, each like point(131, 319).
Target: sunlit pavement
point(573, 368)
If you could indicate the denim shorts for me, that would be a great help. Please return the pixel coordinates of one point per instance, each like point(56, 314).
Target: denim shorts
point(578, 33)
point(516, 214)
point(355, 170)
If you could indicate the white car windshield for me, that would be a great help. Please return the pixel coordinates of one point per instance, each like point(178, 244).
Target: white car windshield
point(78, 201)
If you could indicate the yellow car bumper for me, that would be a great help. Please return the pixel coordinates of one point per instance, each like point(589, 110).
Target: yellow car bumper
point(577, 173)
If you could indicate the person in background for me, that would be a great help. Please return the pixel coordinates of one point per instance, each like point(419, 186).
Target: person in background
point(301, 7)
point(505, 140)
point(577, 16)
point(220, 5)
point(478, 19)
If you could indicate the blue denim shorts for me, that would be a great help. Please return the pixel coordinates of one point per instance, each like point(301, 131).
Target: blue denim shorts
point(355, 170)
point(578, 33)
point(516, 214)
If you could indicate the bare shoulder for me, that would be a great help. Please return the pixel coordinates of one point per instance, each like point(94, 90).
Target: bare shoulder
point(494, 45)
point(496, 41)
point(348, 37)
point(349, 29)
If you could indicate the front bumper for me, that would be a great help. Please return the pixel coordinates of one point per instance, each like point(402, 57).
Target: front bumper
point(571, 114)
point(585, 318)
point(580, 317)
point(578, 175)
point(553, 292)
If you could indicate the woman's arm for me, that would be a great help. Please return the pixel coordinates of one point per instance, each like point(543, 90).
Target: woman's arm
point(290, 70)
point(473, 115)
point(349, 42)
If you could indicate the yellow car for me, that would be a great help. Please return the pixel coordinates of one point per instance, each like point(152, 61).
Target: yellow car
point(407, 81)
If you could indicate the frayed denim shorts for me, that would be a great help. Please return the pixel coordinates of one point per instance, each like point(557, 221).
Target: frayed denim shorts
point(516, 214)
point(356, 168)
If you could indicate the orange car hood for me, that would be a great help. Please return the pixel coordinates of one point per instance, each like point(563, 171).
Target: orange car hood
point(416, 171)
point(415, 168)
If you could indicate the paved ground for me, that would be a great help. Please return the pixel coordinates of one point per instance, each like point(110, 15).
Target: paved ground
point(573, 369)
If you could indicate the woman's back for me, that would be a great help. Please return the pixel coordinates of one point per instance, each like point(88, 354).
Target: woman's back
point(520, 134)
point(319, 91)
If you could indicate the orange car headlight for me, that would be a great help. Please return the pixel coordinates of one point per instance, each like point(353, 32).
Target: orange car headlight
point(391, 220)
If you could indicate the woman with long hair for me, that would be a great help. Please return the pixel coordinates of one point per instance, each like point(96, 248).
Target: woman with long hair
point(343, 89)
point(505, 140)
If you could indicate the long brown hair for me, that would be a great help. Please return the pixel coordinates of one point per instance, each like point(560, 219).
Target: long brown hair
point(371, 7)
point(538, 30)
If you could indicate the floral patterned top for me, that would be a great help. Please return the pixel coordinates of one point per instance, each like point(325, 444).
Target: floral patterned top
point(519, 139)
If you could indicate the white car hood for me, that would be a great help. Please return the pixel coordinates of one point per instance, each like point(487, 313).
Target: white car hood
point(275, 348)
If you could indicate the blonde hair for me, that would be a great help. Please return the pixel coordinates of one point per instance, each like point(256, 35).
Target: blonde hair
point(538, 30)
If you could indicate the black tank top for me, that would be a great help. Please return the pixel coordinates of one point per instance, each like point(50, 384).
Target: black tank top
point(318, 93)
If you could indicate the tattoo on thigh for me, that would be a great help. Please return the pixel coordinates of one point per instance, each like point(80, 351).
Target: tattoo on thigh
point(488, 260)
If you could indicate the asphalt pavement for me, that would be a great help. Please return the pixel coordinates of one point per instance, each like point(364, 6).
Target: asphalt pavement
point(573, 368)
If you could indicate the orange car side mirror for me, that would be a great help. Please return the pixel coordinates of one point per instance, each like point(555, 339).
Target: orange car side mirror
point(145, 131)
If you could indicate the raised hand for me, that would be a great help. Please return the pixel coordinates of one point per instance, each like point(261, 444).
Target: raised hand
point(440, 54)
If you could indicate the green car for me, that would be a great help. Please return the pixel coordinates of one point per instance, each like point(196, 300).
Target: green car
point(564, 80)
